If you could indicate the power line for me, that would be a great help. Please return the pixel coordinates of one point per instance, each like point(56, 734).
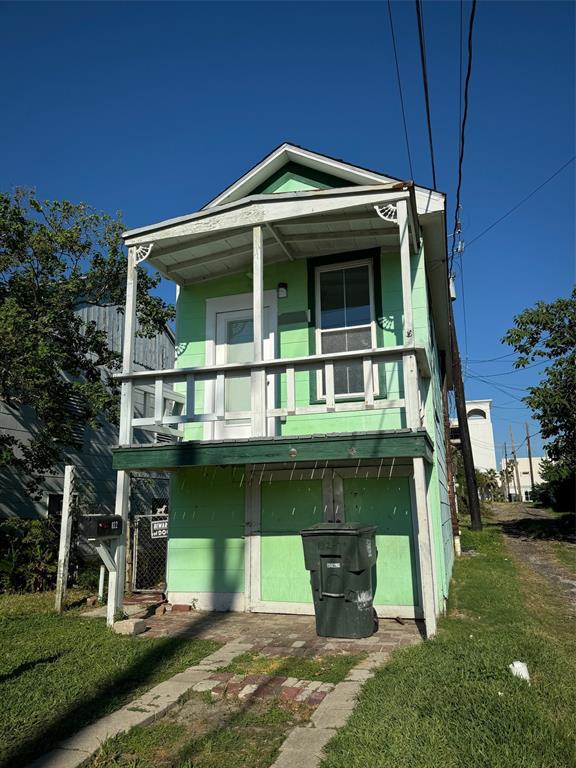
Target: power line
point(463, 131)
point(400, 89)
point(425, 82)
point(514, 370)
point(461, 263)
point(492, 359)
point(524, 199)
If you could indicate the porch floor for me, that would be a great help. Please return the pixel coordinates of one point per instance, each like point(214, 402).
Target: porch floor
point(279, 634)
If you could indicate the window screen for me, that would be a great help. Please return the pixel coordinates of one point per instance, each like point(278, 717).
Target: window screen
point(345, 322)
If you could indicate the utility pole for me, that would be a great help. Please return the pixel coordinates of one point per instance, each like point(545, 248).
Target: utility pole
point(469, 473)
point(515, 464)
point(506, 478)
point(530, 461)
point(449, 463)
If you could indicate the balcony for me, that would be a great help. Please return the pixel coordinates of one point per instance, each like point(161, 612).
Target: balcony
point(279, 390)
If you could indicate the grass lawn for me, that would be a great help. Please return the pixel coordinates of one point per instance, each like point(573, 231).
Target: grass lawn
point(566, 554)
point(331, 668)
point(58, 673)
point(452, 702)
point(201, 733)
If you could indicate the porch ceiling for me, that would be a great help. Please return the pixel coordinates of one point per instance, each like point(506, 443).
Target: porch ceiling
point(219, 240)
point(374, 446)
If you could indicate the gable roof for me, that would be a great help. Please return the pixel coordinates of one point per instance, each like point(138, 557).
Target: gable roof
point(288, 155)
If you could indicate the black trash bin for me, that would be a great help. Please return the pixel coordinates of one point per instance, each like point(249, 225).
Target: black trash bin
point(341, 559)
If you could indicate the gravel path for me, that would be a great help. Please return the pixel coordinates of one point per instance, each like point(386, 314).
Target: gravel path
point(537, 553)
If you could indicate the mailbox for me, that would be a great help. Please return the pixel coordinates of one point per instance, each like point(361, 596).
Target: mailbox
point(99, 527)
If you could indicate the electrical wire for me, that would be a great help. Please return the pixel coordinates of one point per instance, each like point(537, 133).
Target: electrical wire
point(419, 15)
point(524, 199)
point(400, 89)
point(514, 370)
point(463, 130)
point(492, 359)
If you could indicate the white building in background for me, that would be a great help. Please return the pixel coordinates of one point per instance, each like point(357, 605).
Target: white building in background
point(481, 433)
point(525, 480)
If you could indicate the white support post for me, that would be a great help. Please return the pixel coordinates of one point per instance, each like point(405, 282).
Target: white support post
point(258, 378)
point(65, 536)
point(406, 271)
point(426, 557)
point(101, 583)
point(409, 365)
point(116, 577)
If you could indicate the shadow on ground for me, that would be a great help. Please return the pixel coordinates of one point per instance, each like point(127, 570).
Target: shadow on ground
point(88, 710)
point(561, 528)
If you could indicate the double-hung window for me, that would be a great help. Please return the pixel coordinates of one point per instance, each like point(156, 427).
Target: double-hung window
point(345, 320)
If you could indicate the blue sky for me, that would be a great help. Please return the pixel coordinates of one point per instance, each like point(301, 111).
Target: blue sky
point(153, 108)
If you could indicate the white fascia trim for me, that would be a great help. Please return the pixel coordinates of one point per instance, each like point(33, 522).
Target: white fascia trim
point(289, 152)
point(151, 232)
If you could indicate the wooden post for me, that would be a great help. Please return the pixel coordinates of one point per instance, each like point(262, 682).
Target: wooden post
point(258, 377)
point(530, 461)
point(423, 520)
point(450, 465)
point(409, 365)
point(117, 576)
point(506, 478)
point(65, 536)
point(101, 583)
point(467, 457)
point(426, 553)
point(516, 472)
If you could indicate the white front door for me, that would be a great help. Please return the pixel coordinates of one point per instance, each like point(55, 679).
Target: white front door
point(234, 343)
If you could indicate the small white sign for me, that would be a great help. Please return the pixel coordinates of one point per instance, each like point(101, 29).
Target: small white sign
point(159, 529)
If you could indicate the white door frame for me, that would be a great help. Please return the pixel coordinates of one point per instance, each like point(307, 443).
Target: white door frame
point(331, 491)
point(234, 303)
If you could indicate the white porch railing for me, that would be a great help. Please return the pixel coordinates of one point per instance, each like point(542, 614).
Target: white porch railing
point(175, 402)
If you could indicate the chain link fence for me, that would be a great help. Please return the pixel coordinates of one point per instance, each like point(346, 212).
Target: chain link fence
point(149, 533)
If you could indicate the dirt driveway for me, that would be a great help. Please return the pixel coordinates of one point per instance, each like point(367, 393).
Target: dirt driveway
point(532, 536)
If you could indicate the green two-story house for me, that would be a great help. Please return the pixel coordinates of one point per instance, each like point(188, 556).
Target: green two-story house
point(312, 340)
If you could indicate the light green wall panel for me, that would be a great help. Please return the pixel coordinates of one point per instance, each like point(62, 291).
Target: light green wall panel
point(386, 503)
point(287, 507)
point(206, 528)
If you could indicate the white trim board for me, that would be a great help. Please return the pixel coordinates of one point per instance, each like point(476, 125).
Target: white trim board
point(286, 153)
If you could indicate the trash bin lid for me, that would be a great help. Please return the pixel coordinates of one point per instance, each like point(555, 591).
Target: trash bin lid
point(340, 529)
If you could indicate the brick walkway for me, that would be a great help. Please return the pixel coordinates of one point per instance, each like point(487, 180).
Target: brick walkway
point(228, 685)
point(277, 634)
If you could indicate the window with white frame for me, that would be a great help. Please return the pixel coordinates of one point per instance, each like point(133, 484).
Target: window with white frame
point(345, 319)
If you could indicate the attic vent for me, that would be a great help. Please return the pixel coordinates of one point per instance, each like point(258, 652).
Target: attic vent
point(387, 212)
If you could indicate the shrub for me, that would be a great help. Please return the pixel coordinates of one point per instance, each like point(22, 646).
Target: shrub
point(28, 555)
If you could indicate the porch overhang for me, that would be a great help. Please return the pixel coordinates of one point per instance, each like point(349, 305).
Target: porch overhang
point(295, 225)
point(358, 446)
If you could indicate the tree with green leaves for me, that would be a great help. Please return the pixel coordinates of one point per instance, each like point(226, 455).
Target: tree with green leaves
point(56, 256)
point(548, 332)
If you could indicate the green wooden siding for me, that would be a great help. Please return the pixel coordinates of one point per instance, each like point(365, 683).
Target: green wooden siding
point(295, 338)
point(206, 529)
point(294, 177)
point(286, 508)
point(386, 503)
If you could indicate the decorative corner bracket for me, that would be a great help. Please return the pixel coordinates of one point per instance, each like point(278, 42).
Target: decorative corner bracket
point(142, 252)
point(387, 212)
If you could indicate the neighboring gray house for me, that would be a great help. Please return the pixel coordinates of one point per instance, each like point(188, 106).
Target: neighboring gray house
point(95, 481)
